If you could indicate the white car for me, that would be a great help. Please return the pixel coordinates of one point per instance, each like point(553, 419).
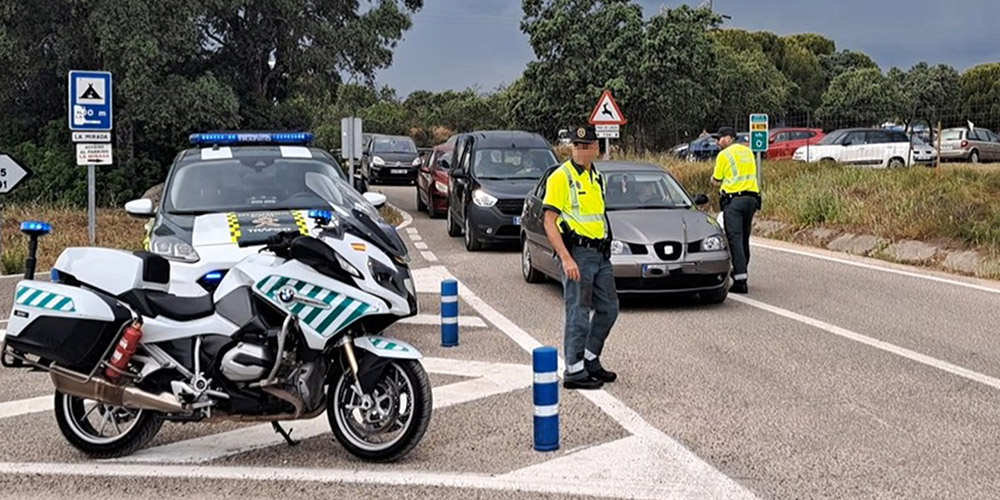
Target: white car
point(874, 147)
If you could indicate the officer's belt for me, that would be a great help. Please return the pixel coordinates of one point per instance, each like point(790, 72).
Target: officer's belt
point(576, 240)
point(752, 194)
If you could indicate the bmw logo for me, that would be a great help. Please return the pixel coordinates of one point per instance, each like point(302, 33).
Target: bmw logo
point(286, 295)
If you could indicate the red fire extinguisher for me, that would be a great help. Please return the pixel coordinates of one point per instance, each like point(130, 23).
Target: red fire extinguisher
point(123, 352)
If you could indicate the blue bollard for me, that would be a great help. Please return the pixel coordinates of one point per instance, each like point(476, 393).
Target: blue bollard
point(449, 313)
point(544, 362)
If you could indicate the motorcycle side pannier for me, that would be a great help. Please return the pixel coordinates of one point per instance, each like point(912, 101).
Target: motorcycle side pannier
point(69, 325)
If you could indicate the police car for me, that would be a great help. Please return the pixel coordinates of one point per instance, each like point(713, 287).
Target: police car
point(231, 188)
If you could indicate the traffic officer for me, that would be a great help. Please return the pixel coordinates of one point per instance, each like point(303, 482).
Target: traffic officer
point(578, 229)
point(739, 198)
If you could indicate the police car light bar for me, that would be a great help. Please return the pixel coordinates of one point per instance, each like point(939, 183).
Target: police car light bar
point(234, 138)
point(35, 228)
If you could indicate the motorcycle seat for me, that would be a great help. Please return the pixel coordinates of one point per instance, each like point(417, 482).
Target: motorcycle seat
point(154, 303)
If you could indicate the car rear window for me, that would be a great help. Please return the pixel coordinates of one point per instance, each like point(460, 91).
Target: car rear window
point(394, 145)
point(952, 135)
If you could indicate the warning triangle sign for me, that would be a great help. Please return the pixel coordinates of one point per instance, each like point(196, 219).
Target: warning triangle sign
point(607, 111)
point(90, 93)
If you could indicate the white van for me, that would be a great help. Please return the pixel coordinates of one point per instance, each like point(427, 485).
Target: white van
point(864, 146)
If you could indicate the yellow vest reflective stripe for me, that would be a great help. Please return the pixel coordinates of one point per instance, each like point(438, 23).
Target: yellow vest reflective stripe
point(583, 224)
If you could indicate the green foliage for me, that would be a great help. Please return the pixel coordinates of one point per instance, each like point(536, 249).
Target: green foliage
point(981, 93)
point(838, 63)
point(862, 97)
point(748, 82)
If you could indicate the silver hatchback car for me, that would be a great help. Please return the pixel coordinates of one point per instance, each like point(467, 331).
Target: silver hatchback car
point(971, 145)
point(662, 244)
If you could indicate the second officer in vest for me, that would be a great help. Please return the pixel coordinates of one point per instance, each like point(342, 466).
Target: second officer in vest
point(578, 230)
point(739, 197)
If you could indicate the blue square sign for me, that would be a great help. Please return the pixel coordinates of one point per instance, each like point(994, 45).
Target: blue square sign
point(89, 100)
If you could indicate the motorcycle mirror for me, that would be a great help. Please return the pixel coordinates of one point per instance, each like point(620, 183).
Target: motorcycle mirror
point(376, 199)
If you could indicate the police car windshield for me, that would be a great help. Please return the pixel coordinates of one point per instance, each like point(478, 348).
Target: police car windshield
point(245, 184)
point(511, 163)
point(643, 191)
point(394, 145)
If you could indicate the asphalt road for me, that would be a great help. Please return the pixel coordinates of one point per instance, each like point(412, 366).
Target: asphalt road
point(836, 377)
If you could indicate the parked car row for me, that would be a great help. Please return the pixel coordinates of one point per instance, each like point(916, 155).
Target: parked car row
point(971, 145)
point(867, 146)
point(490, 186)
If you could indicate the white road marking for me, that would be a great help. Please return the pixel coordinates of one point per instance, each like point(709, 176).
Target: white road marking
point(428, 279)
point(419, 245)
point(411, 230)
point(639, 488)
point(490, 379)
point(876, 267)
point(429, 256)
point(415, 237)
point(25, 406)
point(872, 342)
point(430, 319)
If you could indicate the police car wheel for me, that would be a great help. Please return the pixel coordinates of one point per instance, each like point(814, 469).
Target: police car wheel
point(528, 271)
point(453, 228)
point(472, 243)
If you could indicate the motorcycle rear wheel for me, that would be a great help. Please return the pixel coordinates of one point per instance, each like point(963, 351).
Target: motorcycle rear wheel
point(103, 431)
point(395, 422)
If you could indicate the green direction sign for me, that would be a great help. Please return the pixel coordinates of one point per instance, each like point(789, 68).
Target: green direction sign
point(758, 132)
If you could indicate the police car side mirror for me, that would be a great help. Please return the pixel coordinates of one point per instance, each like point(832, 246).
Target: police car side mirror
point(142, 208)
point(700, 199)
point(376, 199)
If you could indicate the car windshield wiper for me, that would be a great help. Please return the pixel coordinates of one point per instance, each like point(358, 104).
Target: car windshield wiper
point(193, 212)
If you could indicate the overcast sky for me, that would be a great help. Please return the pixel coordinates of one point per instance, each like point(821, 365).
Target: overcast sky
point(455, 44)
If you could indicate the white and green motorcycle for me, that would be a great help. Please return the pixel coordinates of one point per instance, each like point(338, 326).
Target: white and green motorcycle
point(290, 332)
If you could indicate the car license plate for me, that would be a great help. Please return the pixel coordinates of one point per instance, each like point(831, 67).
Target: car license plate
point(517, 221)
point(399, 170)
point(658, 270)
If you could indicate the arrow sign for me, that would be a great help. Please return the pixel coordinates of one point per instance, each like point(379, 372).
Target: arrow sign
point(11, 174)
point(607, 111)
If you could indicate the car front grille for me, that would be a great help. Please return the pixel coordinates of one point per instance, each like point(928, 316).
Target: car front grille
point(510, 207)
point(668, 250)
point(671, 283)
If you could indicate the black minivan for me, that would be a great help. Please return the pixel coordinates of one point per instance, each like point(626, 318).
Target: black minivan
point(390, 158)
point(491, 174)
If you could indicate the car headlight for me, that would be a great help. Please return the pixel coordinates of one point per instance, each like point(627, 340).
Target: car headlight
point(173, 248)
point(377, 160)
point(620, 248)
point(417, 162)
point(713, 244)
point(483, 199)
point(440, 186)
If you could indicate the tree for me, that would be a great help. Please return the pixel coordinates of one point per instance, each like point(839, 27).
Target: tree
point(981, 95)
point(748, 83)
point(819, 45)
point(931, 90)
point(838, 63)
point(862, 98)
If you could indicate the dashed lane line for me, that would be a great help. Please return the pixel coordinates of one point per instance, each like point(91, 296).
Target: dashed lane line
point(419, 245)
point(19, 407)
point(430, 319)
point(429, 256)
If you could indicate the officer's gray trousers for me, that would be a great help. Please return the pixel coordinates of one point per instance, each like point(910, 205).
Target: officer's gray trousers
point(591, 311)
point(738, 219)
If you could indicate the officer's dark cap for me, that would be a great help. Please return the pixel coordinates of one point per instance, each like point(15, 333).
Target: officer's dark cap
point(724, 131)
point(584, 134)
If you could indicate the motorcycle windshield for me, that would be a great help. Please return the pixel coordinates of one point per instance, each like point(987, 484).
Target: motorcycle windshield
point(356, 213)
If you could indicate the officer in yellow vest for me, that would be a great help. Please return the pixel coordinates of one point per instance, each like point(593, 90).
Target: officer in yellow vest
point(736, 174)
point(578, 229)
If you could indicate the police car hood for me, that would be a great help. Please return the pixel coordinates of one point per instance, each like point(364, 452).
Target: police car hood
point(229, 229)
point(655, 225)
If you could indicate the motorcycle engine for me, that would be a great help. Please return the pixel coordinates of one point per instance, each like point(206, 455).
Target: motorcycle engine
point(246, 362)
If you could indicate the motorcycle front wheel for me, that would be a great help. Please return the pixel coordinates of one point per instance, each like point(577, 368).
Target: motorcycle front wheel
point(390, 421)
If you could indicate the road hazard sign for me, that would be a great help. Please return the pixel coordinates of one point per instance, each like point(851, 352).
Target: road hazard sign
point(607, 111)
point(90, 100)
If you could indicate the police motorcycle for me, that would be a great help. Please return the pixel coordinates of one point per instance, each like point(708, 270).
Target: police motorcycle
point(290, 332)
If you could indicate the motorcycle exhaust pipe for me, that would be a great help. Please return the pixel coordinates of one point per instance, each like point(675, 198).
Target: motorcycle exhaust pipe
point(79, 385)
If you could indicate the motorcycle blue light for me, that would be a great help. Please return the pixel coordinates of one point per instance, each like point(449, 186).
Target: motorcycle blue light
point(35, 228)
point(236, 138)
point(321, 216)
point(213, 277)
point(54, 273)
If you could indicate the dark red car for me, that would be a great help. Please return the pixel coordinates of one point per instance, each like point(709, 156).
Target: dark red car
point(784, 141)
point(433, 179)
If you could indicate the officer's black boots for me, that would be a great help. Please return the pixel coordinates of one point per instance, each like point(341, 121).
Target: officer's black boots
point(739, 286)
point(604, 375)
point(589, 383)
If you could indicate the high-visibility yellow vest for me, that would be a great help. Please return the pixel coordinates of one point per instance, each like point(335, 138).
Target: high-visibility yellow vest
point(579, 198)
point(736, 167)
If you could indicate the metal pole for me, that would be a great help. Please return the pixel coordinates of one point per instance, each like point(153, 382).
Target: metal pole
point(353, 148)
point(91, 205)
point(607, 149)
point(760, 174)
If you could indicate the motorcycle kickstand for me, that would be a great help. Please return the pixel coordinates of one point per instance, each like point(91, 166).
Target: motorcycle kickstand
point(285, 434)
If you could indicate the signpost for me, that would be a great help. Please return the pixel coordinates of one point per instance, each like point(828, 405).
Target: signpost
point(91, 120)
point(351, 144)
point(11, 174)
point(606, 118)
point(759, 139)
